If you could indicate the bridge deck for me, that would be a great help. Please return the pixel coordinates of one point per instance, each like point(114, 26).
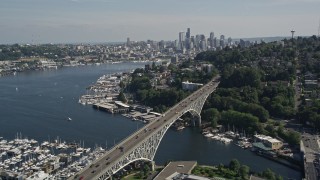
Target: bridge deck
point(98, 167)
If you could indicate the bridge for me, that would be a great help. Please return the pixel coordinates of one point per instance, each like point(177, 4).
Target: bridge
point(143, 144)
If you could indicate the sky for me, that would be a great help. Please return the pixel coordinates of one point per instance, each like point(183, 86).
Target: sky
point(89, 21)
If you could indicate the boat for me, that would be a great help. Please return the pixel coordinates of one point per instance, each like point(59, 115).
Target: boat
point(69, 119)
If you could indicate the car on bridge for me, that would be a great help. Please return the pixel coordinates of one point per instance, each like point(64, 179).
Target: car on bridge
point(121, 148)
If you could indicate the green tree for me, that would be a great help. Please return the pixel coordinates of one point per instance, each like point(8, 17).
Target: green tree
point(211, 115)
point(234, 165)
point(279, 177)
point(122, 84)
point(242, 77)
point(122, 97)
point(146, 169)
point(269, 174)
point(244, 172)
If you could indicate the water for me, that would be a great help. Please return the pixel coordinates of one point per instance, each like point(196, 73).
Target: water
point(38, 105)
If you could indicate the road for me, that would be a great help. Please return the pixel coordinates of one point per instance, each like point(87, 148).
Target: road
point(130, 142)
point(312, 152)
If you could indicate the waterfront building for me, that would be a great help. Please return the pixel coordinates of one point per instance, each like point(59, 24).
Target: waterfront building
point(268, 141)
point(142, 109)
point(47, 64)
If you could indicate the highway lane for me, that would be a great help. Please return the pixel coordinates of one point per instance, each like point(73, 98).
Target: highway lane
point(130, 142)
point(311, 160)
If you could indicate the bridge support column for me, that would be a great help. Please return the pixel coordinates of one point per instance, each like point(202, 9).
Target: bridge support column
point(153, 164)
point(196, 118)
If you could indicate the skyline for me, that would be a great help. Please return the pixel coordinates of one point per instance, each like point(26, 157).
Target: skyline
point(72, 21)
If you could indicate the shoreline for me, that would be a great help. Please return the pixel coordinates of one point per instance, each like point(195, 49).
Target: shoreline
point(119, 61)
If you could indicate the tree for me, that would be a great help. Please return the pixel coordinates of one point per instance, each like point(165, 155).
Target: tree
point(244, 171)
point(269, 174)
point(146, 169)
point(279, 177)
point(122, 97)
point(234, 165)
point(211, 115)
point(242, 77)
point(241, 121)
point(122, 85)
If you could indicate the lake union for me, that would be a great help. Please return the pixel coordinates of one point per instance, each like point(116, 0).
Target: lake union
point(39, 103)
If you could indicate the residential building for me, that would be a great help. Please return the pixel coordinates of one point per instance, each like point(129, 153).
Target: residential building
point(190, 86)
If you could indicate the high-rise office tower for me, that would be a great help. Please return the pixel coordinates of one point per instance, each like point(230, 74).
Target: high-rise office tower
point(211, 35)
point(192, 42)
point(215, 42)
point(222, 44)
point(203, 45)
point(181, 41)
point(211, 40)
point(229, 41)
point(188, 35)
point(128, 42)
point(197, 41)
point(187, 43)
point(162, 45)
point(202, 42)
point(203, 37)
point(176, 44)
point(187, 40)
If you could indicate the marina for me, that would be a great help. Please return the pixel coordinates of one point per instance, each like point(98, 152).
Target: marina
point(103, 95)
point(29, 159)
point(105, 90)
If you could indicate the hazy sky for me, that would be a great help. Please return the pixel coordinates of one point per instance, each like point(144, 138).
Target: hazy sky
point(61, 21)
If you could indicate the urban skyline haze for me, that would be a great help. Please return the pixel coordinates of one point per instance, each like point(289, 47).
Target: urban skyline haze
point(73, 21)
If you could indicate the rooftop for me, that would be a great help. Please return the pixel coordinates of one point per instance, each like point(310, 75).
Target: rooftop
point(183, 167)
